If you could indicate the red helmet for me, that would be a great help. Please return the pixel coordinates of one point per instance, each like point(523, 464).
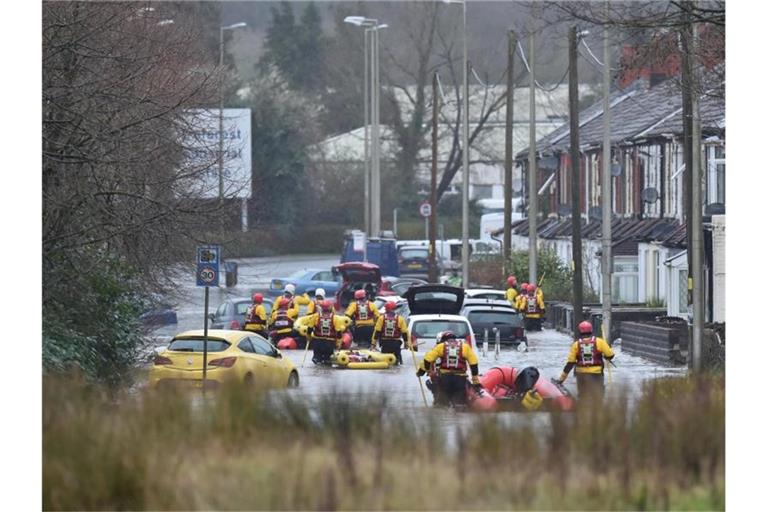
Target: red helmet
point(531, 287)
point(511, 280)
point(524, 287)
point(360, 294)
point(390, 306)
point(585, 327)
point(257, 298)
point(283, 303)
point(326, 306)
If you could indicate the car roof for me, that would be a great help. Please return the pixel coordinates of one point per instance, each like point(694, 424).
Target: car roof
point(472, 291)
point(429, 318)
point(482, 307)
point(248, 299)
point(478, 301)
point(220, 334)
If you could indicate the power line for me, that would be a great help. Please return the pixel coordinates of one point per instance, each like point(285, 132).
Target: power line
point(525, 62)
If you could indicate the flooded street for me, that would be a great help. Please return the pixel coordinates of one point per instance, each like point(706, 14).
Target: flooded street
point(546, 350)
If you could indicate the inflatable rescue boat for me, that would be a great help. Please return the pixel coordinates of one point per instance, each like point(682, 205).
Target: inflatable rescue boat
point(362, 359)
point(290, 343)
point(500, 391)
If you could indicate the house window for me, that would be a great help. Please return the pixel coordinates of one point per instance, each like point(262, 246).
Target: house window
point(625, 276)
point(716, 174)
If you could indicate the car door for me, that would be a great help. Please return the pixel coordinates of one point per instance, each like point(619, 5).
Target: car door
point(326, 281)
point(273, 369)
point(254, 364)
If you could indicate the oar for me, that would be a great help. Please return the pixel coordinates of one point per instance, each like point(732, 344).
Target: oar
point(306, 348)
point(416, 365)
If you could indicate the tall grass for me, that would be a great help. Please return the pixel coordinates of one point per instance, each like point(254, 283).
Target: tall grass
point(243, 450)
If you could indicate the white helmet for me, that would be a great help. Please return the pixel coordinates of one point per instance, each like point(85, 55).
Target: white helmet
point(320, 293)
point(289, 288)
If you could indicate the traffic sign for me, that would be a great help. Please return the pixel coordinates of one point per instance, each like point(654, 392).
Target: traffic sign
point(425, 209)
point(208, 258)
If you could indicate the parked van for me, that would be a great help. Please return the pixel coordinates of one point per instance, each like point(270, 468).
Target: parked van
point(379, 251)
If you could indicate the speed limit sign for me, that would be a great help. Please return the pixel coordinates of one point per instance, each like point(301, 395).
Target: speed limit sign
point(425, 209)
point(208, 261)
point(207, 275)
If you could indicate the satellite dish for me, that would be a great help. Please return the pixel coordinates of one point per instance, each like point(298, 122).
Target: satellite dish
point(595, 213)
point(650, 195)
point(615, 170)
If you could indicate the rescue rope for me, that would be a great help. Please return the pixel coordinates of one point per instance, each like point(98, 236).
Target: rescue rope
point(416, 365)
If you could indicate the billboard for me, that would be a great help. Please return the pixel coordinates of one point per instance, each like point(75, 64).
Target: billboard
point(201, 148)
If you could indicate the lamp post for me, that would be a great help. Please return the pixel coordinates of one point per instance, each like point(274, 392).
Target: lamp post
point(221, 106)
point(464, 155)
point(372, 183)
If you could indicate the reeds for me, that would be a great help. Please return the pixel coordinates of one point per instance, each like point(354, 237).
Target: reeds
point(244, 450)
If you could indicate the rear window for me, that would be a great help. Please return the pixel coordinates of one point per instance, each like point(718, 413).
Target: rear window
point(414, 253)
point(430, 328)
point(494, 317)
point(196, 345)
point(489, 295)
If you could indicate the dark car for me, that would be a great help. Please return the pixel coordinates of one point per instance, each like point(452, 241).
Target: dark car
point(231, 313)
point(413, 260)
point(503, 318)
point(399, 285)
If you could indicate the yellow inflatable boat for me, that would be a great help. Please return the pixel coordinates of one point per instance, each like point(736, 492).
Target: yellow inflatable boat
point(363, 359)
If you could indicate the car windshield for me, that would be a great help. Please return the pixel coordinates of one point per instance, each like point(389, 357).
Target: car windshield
point(430, 328)
point(414, 253)
point(196, 345)
point(494, 317)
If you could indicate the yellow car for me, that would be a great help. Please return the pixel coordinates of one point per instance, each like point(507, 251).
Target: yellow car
point(233, 356)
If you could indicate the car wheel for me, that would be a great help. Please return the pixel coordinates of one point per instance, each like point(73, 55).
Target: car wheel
point(293, 380)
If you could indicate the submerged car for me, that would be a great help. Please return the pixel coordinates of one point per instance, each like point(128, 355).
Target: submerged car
point(495, 318)
point(231, 313)
point(305, 281)
point(434, 309)
point(399, 285)
point(233, 357)
point(355, 276)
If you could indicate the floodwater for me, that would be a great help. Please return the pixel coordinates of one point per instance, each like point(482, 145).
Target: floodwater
point(546, 350)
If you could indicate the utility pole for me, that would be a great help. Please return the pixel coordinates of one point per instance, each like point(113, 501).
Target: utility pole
point(606, 191)
point(533, 199)
point(375, 175)
point(367, 160)
point(433, 188)
point(697, 247)
point(508, 153)
point(465, 163)
point(573, 113)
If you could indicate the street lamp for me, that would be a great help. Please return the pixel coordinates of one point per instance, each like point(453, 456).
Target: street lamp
point(221, 105)
point(465, 157)
point(373, 173)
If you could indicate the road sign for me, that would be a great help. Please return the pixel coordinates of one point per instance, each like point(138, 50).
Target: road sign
point(425, 209)
point(208, 258)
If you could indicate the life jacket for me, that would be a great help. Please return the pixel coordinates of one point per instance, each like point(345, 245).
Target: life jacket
point(453, 357)
point(588, 354)
point(391, 328)
point(364, 310)
point(282, 320)
point(324, 327)
point(531, 304)
point(253, 318)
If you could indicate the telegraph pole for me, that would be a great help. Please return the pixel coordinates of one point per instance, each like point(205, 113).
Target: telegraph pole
point(376, 150)
point(533, 198)
point(606, 191)
point(433, 188)
point(367, 162)
point(508, 153)
point(697, 246)
point(573, 112)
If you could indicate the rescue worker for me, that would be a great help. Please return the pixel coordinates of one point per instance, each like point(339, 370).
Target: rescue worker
point(364, 314)
point(588, 354)
point(512, 292)
point(313, 305)
point(449, 377)
point(520, 299)
point(533, 309)
point(325, 329)
point(256, 316)
point(284, 314)
point(389, 331)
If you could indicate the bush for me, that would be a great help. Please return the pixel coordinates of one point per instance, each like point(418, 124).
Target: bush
point(91, 322)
